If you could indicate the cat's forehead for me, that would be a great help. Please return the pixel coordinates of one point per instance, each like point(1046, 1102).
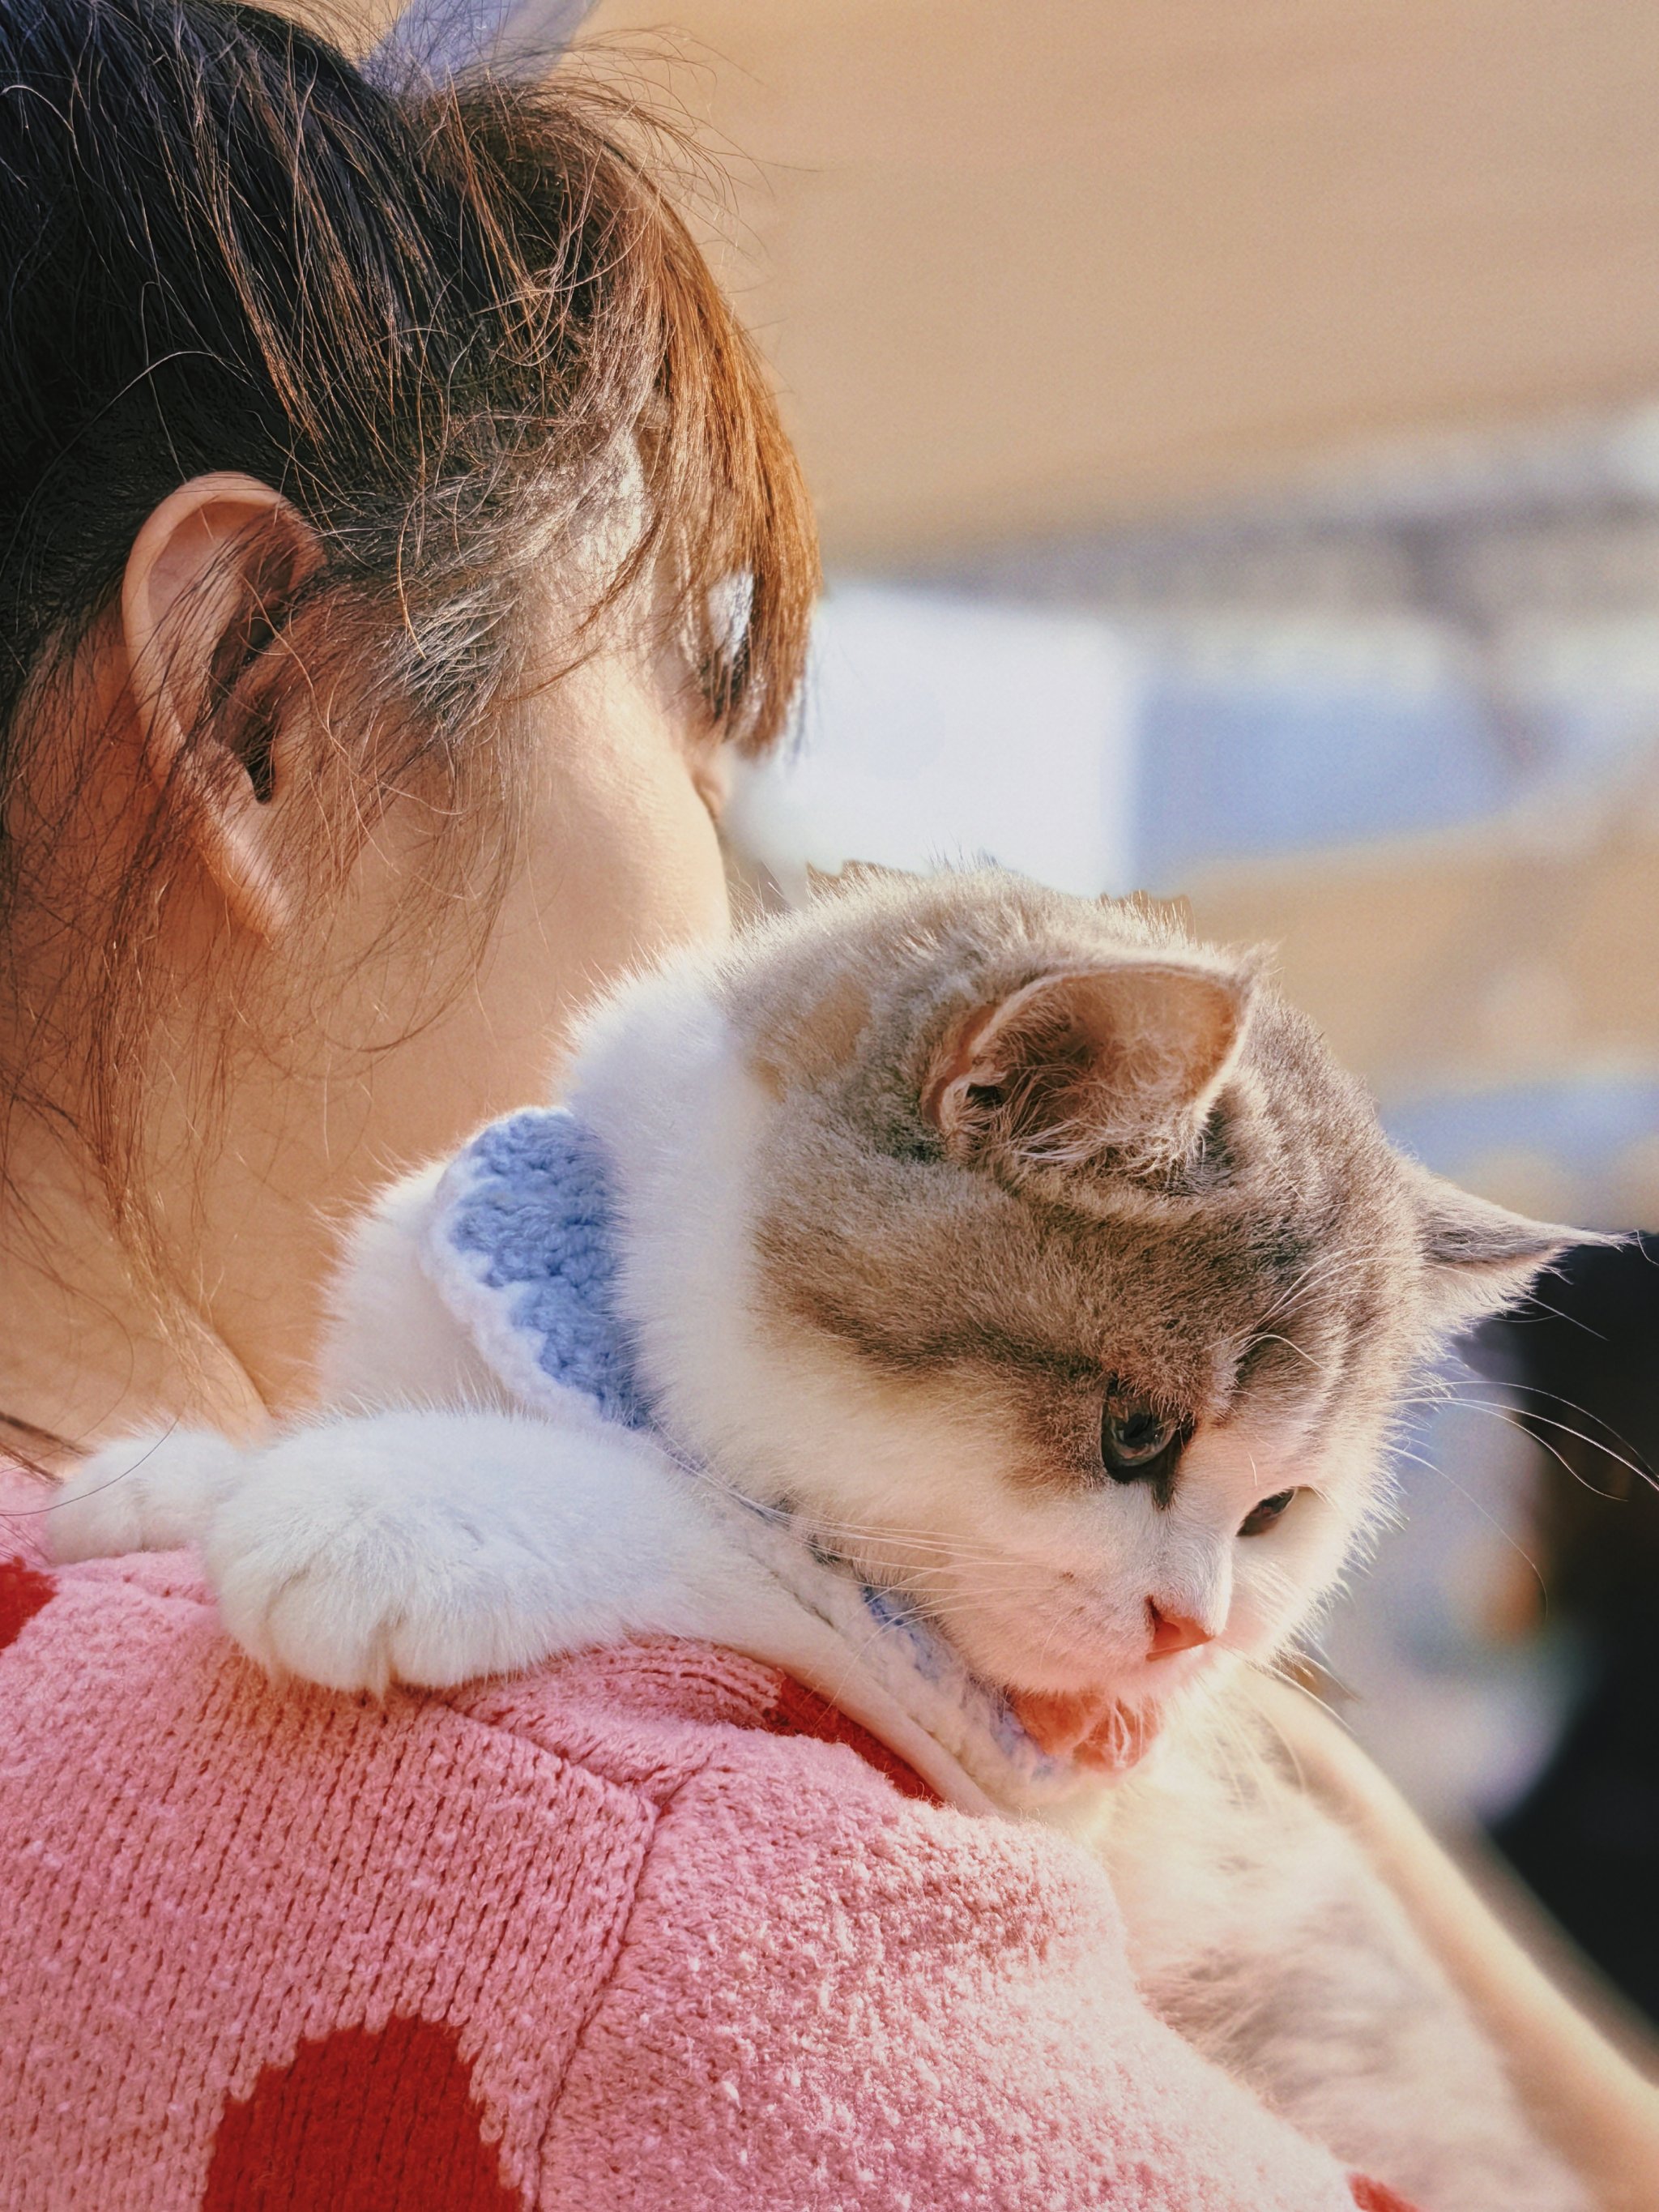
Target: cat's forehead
point(914, 1263)
point(1290, 1219)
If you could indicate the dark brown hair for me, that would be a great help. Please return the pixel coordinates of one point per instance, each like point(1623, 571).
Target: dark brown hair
point(445, 324)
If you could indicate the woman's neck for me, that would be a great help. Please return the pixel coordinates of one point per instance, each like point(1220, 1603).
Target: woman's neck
point(89, 1350)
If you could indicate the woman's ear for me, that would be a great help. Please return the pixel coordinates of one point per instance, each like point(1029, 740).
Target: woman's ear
point(207, 585)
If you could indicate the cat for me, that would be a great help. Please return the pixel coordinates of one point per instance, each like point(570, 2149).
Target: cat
point(991, 1304)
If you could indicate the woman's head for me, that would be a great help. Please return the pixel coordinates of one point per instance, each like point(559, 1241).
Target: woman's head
point(393, 527)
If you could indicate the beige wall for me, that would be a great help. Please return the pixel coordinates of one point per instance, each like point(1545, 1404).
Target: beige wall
point(1472, 961)
point(1029, 267)
point(354, 25)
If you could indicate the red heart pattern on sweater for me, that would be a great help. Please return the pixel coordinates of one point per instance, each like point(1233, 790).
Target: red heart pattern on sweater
point(1372, 2196)
point(23, 1590)
point(359, 2121)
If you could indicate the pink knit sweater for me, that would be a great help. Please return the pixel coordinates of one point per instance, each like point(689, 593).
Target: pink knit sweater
point(652, 1928)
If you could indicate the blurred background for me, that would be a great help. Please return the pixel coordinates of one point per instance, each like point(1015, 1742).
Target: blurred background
point(1236, 430)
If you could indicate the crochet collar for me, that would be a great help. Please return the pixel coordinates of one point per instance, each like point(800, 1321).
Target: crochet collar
point(522, 1244)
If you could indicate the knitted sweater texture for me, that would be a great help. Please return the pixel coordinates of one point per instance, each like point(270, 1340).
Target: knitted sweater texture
point(652, 1928)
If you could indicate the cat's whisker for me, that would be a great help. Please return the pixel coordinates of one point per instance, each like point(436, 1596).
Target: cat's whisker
point(1319, 1366)
point(952, 1549)
point(994, 1569)
point(1512, 1415)
point(947, 1610)
point(1277, 1670)
point(819, 1525)
point(906, 1553)
point(892, 1533)
point(1456, 1384)
point(816, 1523)
point(941, 1602)
point(1530, 1390)
point(1491, 1519)
point(1318, 1271)
point(954, 1604)
point(1297, 1295)
point(1566, 1466)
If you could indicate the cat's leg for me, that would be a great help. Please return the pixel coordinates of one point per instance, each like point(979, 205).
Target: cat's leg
point(426, 1548)
point(1261, 1930)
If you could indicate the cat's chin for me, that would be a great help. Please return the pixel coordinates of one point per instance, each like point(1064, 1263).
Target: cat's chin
point(1094, 1729)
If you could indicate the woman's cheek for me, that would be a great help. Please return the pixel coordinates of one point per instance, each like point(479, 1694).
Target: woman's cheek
point(628, 857)
point(619, 863)
point(650, 876)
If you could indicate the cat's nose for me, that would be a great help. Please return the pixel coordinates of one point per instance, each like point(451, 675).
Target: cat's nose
point(1173, 1632)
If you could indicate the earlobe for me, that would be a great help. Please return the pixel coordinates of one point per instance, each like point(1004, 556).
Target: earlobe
point(206, 583)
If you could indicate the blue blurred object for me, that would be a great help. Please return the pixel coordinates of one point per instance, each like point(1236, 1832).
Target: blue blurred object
point(1276, 758)
point(1589, 1120)
point(442, 39)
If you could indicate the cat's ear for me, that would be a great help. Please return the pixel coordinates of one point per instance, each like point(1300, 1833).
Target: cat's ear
point(1480, 1257)
point(1131, 1055)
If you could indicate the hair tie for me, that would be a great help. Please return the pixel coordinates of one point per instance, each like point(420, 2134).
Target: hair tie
point(442, 40)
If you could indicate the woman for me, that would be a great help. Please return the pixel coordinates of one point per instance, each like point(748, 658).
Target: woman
point(379, 474)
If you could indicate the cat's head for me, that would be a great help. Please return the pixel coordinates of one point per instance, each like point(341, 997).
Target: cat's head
point(1047, 1265)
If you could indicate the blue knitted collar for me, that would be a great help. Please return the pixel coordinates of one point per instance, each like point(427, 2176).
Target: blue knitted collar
point(529, 1220)
point(523, 1246)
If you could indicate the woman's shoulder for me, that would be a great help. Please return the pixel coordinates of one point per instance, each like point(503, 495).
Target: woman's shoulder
point(242, 1921)
point(636, 1717)
point(515, 1946)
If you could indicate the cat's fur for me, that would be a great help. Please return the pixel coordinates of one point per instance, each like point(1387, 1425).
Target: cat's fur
point(911, 1185)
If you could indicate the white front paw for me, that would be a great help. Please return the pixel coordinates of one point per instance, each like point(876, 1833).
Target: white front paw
point(344, 1563)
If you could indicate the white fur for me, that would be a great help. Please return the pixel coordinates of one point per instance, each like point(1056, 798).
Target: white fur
point(392, 1340)
point(445, 1535)
point(912, 1481)
point(427, 1547)
point(1257, 1929)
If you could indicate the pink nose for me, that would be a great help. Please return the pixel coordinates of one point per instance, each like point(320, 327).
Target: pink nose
point(1174, 1632)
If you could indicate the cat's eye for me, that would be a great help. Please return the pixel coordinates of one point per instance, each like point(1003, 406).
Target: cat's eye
point(1263, 1516)
point(1138, 1441)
